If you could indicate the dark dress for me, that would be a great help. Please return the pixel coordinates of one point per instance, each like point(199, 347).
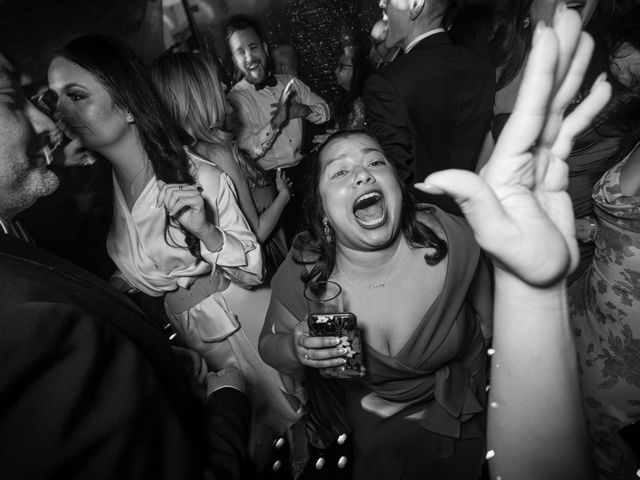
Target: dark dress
point(438, 377)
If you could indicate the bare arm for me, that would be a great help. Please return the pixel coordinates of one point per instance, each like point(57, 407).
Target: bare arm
point(630, 174)
point(522, 216)
point(262, 224)
point(286, 345)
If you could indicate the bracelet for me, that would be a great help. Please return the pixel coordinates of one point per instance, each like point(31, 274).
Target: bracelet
point(593, 228)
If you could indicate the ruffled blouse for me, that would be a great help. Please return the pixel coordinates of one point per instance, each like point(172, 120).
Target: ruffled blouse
point(138, 246)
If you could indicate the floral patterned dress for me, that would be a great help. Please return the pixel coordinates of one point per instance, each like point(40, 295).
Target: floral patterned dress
point(605, 312)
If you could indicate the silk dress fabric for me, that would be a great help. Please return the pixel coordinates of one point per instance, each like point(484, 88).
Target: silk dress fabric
point(605, 313)
point(438, 377)
point(137, 245)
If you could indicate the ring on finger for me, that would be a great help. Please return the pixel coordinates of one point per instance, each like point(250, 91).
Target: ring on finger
point(306, 354)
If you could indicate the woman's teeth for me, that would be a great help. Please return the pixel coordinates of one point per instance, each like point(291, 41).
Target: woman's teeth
point(372, 223)
point(369, 209)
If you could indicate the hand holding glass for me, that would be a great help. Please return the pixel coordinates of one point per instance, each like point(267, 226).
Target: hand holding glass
point(326, 317)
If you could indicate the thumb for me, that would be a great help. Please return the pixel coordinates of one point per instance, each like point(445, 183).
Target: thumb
point(472, 194)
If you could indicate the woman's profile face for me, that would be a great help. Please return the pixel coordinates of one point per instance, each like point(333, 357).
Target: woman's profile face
point(85, 109)
point(344, 72)
point(360, 192)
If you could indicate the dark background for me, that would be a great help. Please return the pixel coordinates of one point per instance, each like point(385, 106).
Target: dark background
point(31, 30)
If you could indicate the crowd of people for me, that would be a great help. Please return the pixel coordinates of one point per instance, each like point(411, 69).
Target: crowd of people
point(477, 205)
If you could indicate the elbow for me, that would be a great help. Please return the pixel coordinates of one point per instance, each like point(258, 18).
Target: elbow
point(262, 234)
point(263, 349)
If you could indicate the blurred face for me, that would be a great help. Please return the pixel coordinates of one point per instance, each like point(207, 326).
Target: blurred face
point(285, 60)
point(396, 14)
point(544, 9)
point(344, 72)
point(360, 193)
point(24, 130)
point(249, 55)
point(85, 108)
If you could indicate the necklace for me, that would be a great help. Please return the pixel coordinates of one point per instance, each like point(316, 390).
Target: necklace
point(393, 271)
point(132, 182)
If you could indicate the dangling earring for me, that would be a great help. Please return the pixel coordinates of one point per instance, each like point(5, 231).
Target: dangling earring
point(129, 118)
point(526, 22)
point(328, 234)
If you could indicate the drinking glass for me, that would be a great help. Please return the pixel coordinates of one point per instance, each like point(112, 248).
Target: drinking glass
point(326, 316)
point(324, 297)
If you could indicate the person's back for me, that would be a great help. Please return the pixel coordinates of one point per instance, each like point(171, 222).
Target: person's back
point(444, 97)
point(431, 107)
point(85, 388)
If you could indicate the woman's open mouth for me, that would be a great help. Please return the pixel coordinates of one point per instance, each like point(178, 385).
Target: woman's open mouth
point(370, 210)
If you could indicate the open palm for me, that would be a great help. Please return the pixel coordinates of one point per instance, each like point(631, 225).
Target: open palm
point(518, 206)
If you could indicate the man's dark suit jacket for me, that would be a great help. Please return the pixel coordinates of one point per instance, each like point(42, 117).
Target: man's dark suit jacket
point(90, 389)
point(431, 110)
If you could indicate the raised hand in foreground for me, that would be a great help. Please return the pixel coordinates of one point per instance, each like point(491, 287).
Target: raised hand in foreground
point(518, 206)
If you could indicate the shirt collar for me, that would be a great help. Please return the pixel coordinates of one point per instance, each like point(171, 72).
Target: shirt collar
point(270, 81)
point(422, 37)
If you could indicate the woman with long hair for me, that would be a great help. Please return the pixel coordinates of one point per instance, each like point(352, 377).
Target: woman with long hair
point(177, 231)
point(409, 276)
point(351, 73)
point(189, 86)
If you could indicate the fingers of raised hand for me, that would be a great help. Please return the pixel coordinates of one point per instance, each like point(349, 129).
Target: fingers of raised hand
point(581, 117)
point(567, 25)
point(568, 88)
point(475, 196)
point(526, 122)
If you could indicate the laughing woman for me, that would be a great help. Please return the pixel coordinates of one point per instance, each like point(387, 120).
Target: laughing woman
point(409, 277)
point(177, 232)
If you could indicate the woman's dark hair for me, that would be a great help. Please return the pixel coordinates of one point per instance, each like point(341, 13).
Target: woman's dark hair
point(621, 117)
point(361, 70)
point(313, 249)
point(511, 40)
point(127, 82)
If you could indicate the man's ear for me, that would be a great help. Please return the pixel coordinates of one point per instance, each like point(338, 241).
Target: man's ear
point(415, 8)
point(266, 49)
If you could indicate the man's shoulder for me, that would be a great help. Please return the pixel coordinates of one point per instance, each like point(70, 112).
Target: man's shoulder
point(437, 48)
point(242, 87)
